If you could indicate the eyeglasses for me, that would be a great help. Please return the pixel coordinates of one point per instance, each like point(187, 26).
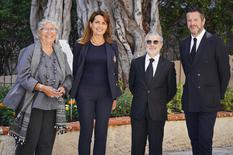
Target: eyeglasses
point(49, 29)
point(155, 42)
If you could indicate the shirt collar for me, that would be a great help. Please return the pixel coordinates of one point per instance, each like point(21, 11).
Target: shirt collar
point(156, 58)
point(199, 37)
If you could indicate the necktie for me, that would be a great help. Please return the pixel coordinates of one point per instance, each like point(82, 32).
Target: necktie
point(193, 50)
point(149, 72)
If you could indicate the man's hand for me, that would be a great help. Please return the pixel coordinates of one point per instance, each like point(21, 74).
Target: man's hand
point(114, 104)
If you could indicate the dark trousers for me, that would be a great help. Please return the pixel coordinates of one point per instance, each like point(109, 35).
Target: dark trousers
point(200, 129)
point(40, 134)
point(93, 103)
point(143, 128)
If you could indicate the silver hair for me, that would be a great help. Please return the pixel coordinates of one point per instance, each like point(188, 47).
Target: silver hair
point(44, 21)
point(154, 34)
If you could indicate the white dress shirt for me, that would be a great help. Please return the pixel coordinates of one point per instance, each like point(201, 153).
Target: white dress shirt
point(199, 37)
point(154, 63)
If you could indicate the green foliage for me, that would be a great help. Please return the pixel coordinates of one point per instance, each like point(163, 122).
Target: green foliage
point(227, 103)
point(14, 19)
point(3, 92)
point(218, 18)
point(123, 104)
point(122, 109)
point(174, 105)
point(6, 115)
point(71, 111)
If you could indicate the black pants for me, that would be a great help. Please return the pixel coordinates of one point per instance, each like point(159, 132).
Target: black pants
point(93, 103)
point(141, 128)
point(40, 134)
point(200, 129)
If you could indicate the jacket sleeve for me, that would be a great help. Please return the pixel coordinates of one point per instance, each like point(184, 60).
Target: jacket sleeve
point(222, 59)
point(76, 53)
point(131, 77)
point(24, 70)
point(172, 88)
point(115, 49)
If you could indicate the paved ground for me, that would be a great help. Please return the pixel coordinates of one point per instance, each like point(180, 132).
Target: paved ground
point(175, 140)
point(228, 150)
point(216, 151)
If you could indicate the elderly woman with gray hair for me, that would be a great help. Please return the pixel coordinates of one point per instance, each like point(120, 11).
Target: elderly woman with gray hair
point(43, 78)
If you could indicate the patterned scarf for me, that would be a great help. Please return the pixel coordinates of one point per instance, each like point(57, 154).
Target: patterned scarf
point(20, 125)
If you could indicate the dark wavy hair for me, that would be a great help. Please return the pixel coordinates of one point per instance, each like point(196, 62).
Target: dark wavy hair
point(194, 8)
point(87, 34)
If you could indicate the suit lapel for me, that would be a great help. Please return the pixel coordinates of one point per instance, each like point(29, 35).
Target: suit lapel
point(81, 59)
point(110, 56)
point(201, 48)
point(187, 51)
point(141, 68)
point(159, 69)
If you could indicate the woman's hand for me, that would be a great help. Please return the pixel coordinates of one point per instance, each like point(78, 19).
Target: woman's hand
point(61, 90)
point(114, 104)
point(50, 91)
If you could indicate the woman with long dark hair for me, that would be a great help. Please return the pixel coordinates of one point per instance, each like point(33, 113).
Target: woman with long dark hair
point(95, 87)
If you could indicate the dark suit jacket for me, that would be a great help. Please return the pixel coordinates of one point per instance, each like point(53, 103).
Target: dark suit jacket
point(207, 78)
point(80, 52)
point(160, 91)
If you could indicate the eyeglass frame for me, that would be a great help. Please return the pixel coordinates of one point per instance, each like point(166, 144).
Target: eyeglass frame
point(155, 42)
point(49, 29)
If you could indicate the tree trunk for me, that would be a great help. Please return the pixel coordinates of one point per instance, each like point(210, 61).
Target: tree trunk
point(57, 10)
point(130, 20)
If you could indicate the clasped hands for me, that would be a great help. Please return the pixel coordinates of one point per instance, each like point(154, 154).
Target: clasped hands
point(51, 92)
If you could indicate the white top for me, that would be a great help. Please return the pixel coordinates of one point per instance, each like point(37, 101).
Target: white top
point(199, 37)
point(154, 63)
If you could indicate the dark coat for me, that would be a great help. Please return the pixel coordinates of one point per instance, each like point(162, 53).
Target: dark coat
point(207, 78)
point(80, 52)
point(160, 91)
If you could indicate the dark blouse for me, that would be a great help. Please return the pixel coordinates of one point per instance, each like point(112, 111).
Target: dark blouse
point(95, 68)
point(48, 73)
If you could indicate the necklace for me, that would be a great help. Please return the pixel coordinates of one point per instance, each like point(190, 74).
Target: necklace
point(96, 41)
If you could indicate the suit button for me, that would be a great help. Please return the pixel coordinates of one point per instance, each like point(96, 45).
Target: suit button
point(148, 91)
point(198, 74)
point(199, 87)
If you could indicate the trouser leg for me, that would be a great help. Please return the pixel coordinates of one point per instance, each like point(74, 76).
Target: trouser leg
point(139, 136)
point(156, 132)
point(33, 134)
point(47, 134)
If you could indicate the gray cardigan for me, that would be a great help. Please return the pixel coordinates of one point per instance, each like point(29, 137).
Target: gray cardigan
point(29, 59)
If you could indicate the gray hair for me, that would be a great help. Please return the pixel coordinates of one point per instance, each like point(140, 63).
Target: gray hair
point(44, 21)
point(154, 34)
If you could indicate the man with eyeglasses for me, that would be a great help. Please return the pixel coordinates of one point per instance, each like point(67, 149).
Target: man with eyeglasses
point(206, 66)
point(152, 81)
